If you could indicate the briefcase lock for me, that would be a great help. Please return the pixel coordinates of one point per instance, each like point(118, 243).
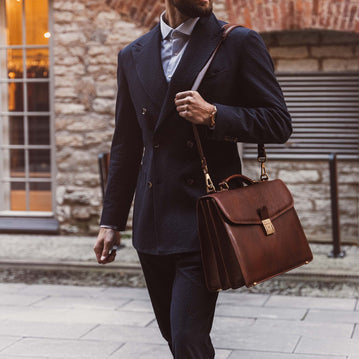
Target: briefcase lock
point(268, 226)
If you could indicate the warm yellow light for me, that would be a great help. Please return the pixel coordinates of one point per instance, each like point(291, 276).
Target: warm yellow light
point(11, 75)
point(18, 0)
point(47, 35)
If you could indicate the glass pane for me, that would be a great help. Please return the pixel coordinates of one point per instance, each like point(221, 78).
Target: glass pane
point(40, 196)
point(11, 97)
point(16, 135)
point(11, 64)
point(14, 22)
point(39, 130)
point(38, 96)
point(37, 63)
point(36, 17)
point(39, 163)
point(18, 196)
point(17, 163)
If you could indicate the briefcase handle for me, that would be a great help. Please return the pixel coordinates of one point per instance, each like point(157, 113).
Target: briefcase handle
point(224, 185)
point(262, 157)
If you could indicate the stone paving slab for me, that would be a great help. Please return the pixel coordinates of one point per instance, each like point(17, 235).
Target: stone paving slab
point(148, 351)
point(19, 299)
point(125, 333)
point(6, 341)
point(260, 312)
point(126, 292)
point(240, 354)
point(11, 288)
point(305, 328)
point(333, 316)
point(314, 302)
point(80, 302)
point(356, 332)
point(65, 348)
point(145, 351)
point(323, 346)
point(61, 290)
point(250, 340)
point(138, 306)
point(238, 298)
point(242, 326)
point(7, 356)
point(42, 329)
point(81, 315)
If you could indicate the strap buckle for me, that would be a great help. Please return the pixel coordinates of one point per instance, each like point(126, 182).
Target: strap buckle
point(264, 175)
point(210, 186)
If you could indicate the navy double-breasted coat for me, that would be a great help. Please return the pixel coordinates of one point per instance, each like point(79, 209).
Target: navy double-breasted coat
point(153, 151)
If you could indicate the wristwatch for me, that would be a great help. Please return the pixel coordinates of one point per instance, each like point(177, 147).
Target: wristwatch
point(213, 117)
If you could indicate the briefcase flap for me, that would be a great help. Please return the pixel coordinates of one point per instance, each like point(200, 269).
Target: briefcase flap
point(244, 205)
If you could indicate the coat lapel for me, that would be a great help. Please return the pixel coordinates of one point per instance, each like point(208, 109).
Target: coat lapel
point(203, 41)
point(147, 56)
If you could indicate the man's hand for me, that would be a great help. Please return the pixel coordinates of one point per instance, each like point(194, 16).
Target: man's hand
point(106, 239)
point(191, 106)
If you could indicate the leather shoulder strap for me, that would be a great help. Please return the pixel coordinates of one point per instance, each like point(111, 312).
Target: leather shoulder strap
point(227, 28)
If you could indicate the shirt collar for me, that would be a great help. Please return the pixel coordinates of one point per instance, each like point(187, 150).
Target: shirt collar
point(185, 28)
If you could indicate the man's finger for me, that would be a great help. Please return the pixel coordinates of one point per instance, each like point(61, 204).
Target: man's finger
point(184, 94)
point(105, 251)
point(98, 250)
point(111, 257)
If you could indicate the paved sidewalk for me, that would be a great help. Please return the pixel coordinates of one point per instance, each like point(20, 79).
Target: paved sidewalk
point(52, 321)
point(70, 260)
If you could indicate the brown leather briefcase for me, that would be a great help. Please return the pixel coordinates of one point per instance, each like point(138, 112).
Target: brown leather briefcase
point(249, 234)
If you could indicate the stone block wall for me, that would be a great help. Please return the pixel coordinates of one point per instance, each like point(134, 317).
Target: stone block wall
point(87, 38)
point(313, 51)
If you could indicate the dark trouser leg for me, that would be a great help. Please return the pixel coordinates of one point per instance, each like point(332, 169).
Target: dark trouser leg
point(159, 273)
point(183, 306)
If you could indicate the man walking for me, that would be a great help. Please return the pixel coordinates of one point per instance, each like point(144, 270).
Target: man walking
point(153, 153)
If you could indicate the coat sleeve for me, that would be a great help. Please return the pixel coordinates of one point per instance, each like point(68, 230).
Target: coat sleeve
point(262, 116)
point(125, 158)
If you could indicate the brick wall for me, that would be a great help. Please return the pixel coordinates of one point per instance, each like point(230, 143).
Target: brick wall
point(276, 15)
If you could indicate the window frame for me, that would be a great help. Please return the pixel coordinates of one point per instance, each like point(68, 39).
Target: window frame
point(4, 147)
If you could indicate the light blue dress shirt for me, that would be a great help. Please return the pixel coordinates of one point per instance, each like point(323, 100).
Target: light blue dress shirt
point(174, 43)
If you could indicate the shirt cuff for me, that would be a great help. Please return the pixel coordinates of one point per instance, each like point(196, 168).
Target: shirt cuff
point(115, 228)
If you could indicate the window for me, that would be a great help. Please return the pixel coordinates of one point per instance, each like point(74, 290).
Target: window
point(26, 145)
point(325, 114)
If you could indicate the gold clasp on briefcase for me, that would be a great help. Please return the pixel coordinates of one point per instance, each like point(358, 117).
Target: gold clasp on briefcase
point(268, 226)
point(266, 222)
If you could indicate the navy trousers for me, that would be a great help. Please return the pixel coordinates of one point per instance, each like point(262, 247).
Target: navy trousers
point(183, 306)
